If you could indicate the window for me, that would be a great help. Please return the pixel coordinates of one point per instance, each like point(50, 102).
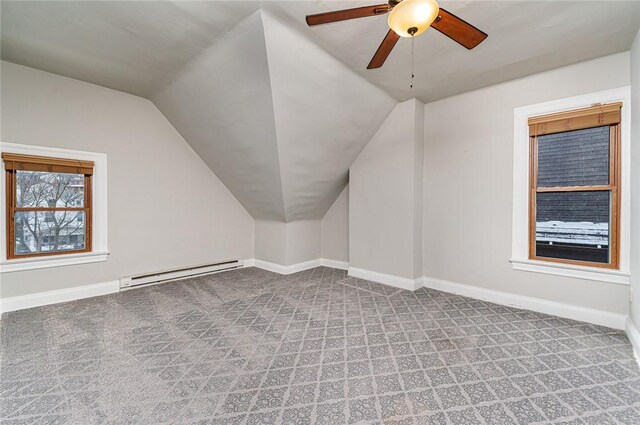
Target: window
point(523, 257)
point(48, 205)
point(574, 180)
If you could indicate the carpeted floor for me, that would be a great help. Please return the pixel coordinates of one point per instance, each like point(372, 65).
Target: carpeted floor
point(252, 347)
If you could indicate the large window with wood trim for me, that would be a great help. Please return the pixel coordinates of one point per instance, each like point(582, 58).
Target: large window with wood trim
point(48, 205)
point(574, 200)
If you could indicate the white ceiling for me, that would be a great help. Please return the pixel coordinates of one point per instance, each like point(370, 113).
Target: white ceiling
point(277, 118)
point(139, 47)
point(525, 37)
point(279, 110)
point(136, 47)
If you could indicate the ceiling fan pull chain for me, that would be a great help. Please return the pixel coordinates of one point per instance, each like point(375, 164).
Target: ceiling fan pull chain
point(412, 63)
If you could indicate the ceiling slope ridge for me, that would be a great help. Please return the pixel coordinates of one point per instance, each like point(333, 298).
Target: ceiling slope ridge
point(261, 12)
point(198, 155)
point(324, 114)
point(382, 123)
point(196, 56)
point(296, 29)
point(222, 105)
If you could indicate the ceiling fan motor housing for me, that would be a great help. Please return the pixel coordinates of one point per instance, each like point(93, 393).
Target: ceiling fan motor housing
point(410, 18)
point(407, 18)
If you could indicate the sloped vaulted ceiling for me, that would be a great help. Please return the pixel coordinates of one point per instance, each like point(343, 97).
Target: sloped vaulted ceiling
point(324, 114)
point(222, 105)
point(277, 118)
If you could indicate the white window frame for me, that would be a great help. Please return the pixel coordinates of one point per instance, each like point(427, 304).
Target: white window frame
point(520, 242)
point(99, 248)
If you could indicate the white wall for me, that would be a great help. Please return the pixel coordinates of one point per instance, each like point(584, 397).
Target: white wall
point(418, 188)
point(271, 241)
point(166, 208)
point(335, 229)
point(287, 243)
point(635, 180)
point(468, 170)
point(383, 198)
point(303, 241)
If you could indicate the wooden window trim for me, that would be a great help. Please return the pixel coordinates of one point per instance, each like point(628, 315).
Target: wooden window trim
point(594, 116)
point(18, 162)
point(42, 163)
point(577, 119)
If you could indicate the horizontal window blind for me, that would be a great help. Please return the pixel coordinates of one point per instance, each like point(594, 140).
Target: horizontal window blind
point(578, 119)
point(13, 162)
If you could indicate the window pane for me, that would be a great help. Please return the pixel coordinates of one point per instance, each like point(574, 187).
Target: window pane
point(42, 189)
point(574, 158)
point(573, 226)
point(48, 231)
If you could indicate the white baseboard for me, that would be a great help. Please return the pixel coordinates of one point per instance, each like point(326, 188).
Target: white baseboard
point(568, 311)
point(334, 264)
point(598, 317)
point(281, 269)
point(58, 296)
point(295, 268)
point(387, 279)
point(86, 291)
point(634, 337)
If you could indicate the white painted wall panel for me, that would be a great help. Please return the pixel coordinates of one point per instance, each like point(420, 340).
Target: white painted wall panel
point(635, 180)
point(335, 229)
point(468, 185)
point(166, 208)
point(383, 199)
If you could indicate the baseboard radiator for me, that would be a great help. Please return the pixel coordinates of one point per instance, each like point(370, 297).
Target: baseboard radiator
point(175, 274)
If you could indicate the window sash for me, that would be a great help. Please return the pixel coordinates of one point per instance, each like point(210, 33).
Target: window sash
point(16, 162)
point(595, 116)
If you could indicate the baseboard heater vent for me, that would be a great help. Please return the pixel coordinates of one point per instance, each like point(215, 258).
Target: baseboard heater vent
point(175, 274)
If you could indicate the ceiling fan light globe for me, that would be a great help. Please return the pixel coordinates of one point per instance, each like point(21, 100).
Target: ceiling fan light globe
point(413, 14)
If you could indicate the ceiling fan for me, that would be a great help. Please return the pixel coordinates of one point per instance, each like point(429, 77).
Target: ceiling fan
point(407, 18)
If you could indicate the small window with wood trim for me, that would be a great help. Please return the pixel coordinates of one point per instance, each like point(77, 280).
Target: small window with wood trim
point(48, 205)
point(574, 201)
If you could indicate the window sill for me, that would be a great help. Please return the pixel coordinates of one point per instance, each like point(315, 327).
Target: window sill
point(32, 263)
point(569, 270)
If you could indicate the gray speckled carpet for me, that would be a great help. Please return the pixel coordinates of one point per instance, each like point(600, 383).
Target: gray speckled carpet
point(252, 347)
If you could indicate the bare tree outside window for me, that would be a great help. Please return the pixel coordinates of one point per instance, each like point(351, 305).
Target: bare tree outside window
point(46, 231)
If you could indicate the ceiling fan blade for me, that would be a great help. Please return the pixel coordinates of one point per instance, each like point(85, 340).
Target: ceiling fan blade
point(343, 15)
point(458, 30)
point(384, 49)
